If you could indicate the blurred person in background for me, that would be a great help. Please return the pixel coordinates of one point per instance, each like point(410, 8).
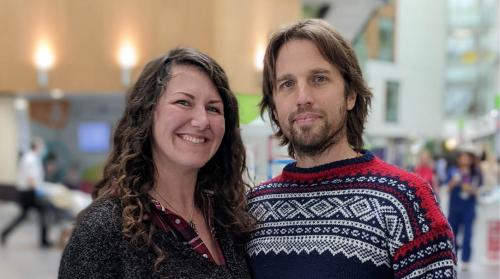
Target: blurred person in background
point(73, 177)
point(30, 177)
point(425, 169)
point(53, 171)
point(172, 201)
point(463, 185)
point(338, 211)
point(489, 170)
point(441, 168)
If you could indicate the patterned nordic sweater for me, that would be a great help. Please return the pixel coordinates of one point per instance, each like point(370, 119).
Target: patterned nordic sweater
point(356, 218)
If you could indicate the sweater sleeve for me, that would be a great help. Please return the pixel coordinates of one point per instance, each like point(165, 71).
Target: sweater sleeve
point(92, 249)
point(430, 253)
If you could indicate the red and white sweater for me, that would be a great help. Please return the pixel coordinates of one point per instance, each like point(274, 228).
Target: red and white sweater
point(356, 218)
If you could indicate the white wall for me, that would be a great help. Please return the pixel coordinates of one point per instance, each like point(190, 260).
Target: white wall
point(419, 67)
point(260, 150)
point(8, 140)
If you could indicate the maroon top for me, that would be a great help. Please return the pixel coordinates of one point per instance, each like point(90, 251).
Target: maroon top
point(173, 224)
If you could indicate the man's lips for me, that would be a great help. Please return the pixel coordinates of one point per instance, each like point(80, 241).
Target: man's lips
point(305, 118)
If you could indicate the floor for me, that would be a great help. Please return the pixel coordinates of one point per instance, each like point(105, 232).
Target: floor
point(21, 257)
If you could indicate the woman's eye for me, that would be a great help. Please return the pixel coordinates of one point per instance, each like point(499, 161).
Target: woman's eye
point(182, 103)
point(214, 109)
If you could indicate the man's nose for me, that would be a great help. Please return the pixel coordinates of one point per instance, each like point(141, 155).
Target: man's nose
point(303, 95)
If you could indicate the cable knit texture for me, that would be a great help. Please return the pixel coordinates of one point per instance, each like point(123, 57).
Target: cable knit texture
point(355, 218)
point(97, 249)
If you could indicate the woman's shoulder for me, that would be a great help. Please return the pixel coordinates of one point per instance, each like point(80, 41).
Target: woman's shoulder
point(101, 214)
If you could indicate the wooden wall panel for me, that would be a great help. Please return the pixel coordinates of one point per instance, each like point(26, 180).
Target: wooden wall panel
point(86, 35)
point(242, 26)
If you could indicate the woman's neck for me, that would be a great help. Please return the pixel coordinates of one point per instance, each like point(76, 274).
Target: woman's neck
point(177, 188)
point(465, 169)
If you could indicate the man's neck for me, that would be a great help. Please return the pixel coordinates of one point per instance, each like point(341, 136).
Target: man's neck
point(336, 152)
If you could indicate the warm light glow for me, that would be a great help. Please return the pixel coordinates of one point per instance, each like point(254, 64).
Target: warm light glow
point(44, 56)
point(259, 57)
point(20, 103)
point(451, 144)
point(56, 94)
point(127, 56)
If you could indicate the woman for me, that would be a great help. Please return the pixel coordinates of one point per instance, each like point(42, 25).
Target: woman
point(463, 184)
point(425, 169)
point(171, 203)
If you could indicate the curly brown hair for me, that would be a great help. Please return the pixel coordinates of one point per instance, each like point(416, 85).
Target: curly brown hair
point(337, 51)
point(130, 171)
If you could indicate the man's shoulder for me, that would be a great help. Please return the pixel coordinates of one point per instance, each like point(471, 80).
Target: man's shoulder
point(398, 184)
point(410, 190)
point(390, 171)
point(264, 186)
point(29, 157)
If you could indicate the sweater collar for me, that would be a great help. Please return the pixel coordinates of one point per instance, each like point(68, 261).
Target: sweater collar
point(292, 168)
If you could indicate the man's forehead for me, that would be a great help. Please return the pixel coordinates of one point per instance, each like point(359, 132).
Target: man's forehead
point(300, 55)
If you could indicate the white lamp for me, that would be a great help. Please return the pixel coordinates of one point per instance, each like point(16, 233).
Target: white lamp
point(44, 61)
point(127, 58)
point(259, 58)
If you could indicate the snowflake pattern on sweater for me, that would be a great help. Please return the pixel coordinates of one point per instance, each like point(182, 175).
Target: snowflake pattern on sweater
point(356, 218)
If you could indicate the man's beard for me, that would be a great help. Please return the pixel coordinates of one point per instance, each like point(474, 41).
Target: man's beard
point(307, 142)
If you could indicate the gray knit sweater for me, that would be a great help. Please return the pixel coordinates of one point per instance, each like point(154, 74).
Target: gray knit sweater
point(97, 249)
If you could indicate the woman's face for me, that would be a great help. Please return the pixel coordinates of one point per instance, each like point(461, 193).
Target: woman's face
point(464, 160)
point(188, 121)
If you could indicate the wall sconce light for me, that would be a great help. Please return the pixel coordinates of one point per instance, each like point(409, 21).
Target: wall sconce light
point(56, 94)
point(127, 58)
point(20, 103)
point(259, 57)
point(258, 63)
point(44, 61)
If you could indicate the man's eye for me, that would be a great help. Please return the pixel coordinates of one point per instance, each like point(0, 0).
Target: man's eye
point(320, 79)
point(287, 84)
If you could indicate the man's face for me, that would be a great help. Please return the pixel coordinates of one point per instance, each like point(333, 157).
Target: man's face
point(311, 106)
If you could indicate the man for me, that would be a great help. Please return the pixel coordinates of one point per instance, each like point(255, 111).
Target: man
point(338, 211)
point(30, 176)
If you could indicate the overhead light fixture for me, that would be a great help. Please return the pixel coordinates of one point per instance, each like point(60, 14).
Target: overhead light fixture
point(127, 58)
point(259, 57)
point(44, 61)
point(20, 103)
point(451, 144)
point(56, 94)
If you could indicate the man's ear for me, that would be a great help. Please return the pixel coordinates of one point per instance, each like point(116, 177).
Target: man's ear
point(275, 114)
point(351, 100)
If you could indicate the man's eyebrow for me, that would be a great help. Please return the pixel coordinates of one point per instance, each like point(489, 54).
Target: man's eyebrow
point(319, 71)
point(284, 77)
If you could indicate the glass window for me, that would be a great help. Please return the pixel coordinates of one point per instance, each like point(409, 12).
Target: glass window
point(386, 37)
point(392, 101)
